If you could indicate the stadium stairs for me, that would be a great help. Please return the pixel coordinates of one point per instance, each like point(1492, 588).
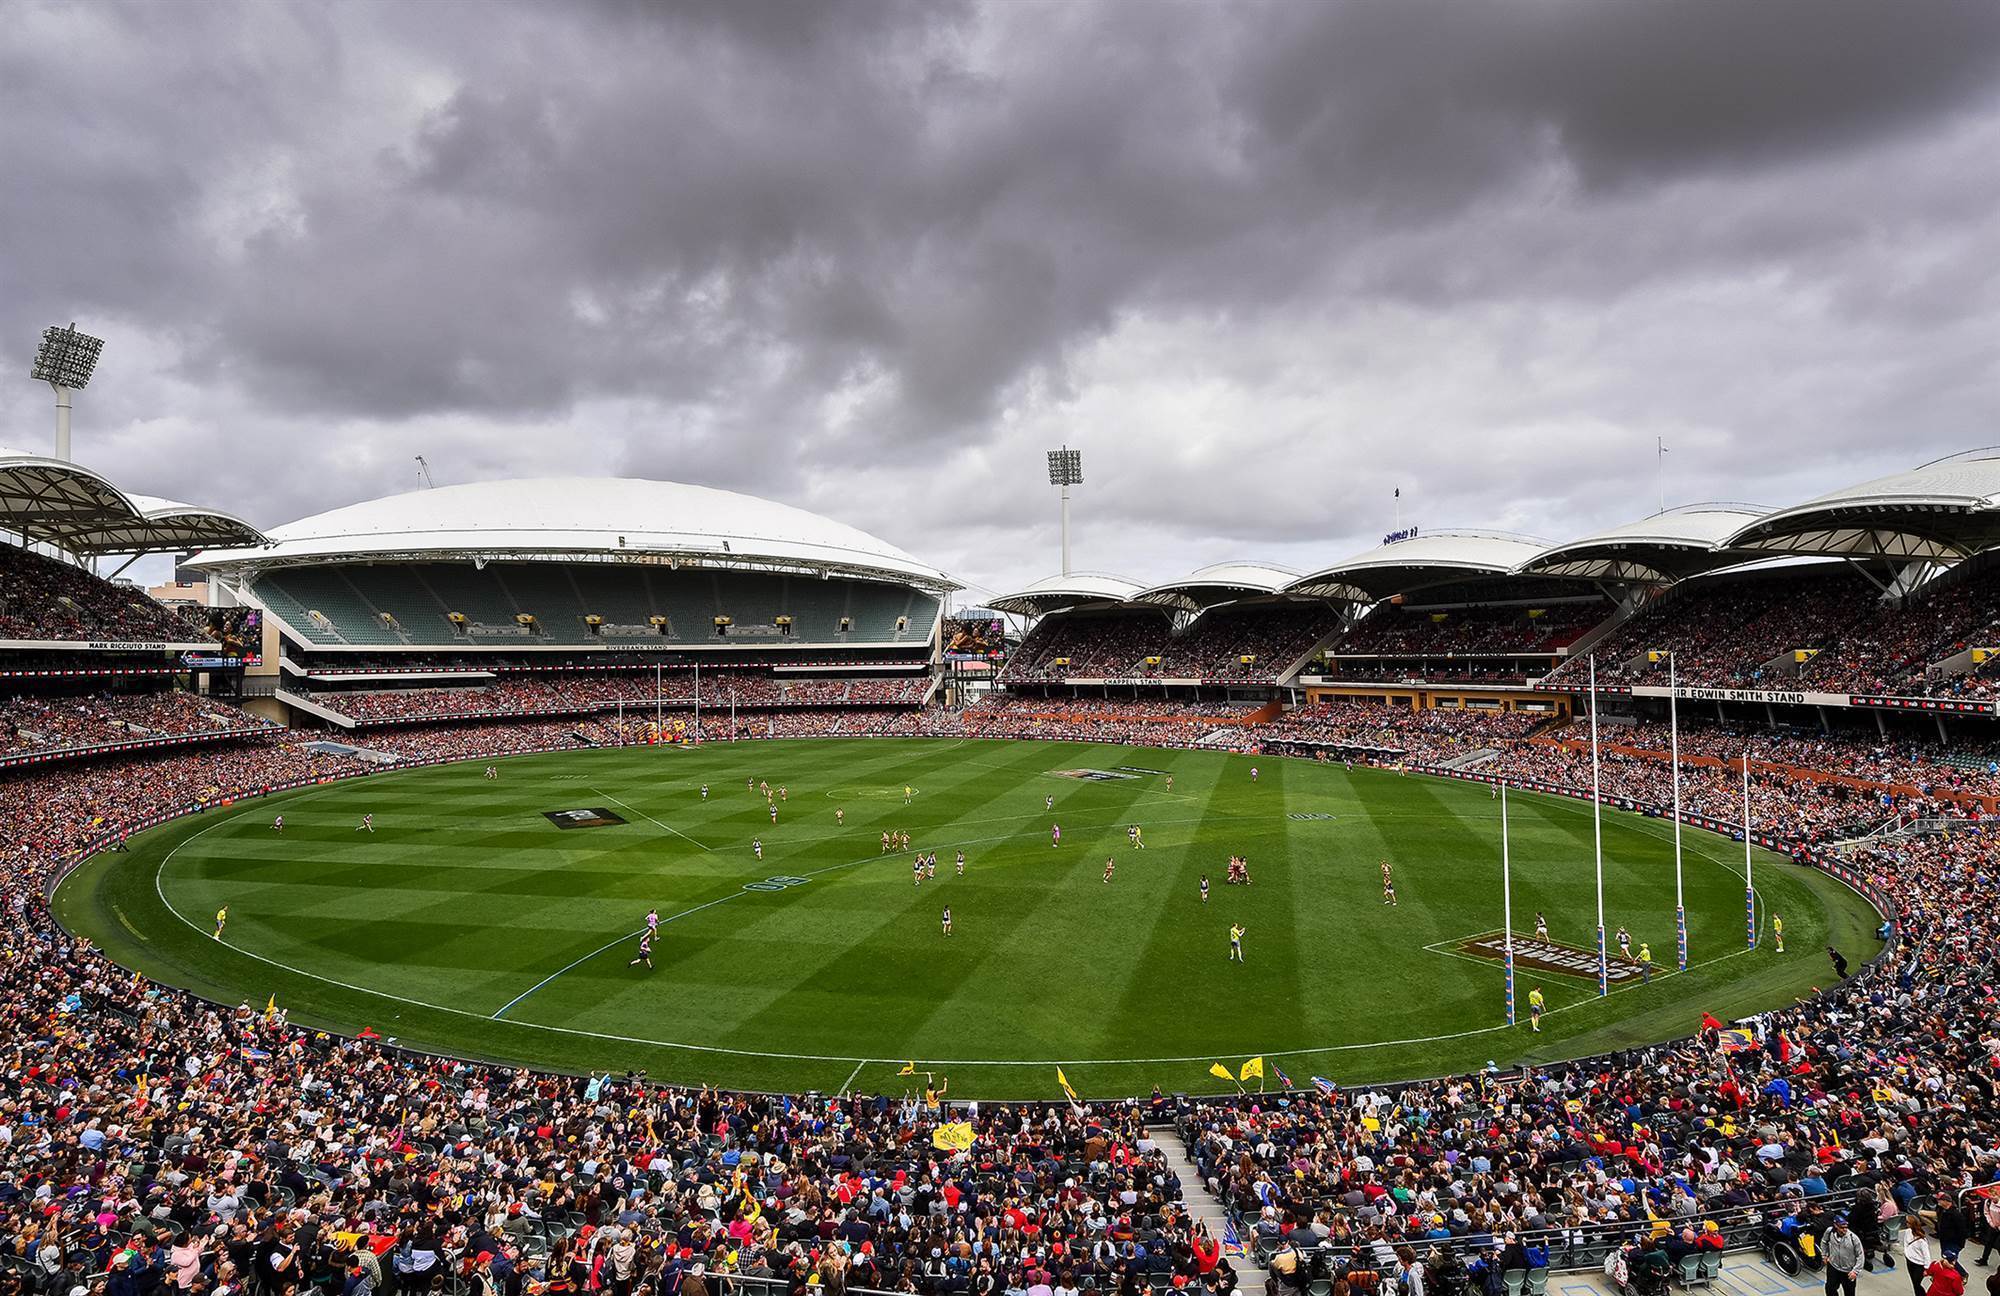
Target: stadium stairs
point(1202, 1205)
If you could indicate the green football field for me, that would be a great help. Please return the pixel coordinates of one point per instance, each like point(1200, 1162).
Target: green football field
point(470, 922)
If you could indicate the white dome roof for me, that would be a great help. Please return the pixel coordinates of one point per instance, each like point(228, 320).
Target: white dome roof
point(583, 516)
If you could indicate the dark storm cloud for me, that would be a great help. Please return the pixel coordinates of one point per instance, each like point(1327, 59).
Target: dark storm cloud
point(872, 257)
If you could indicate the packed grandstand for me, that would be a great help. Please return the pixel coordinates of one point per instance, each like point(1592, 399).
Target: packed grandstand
point(1843, 649)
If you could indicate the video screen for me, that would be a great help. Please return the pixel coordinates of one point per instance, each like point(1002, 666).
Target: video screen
point(239, 632)
point(980, 639)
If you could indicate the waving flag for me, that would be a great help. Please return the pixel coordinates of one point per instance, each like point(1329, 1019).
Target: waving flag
point(1325, 1086)
point(1063, 1080)
point(1253, 1067)
point(1279, 1072)
point(955, 1137)
point(1221, 1071)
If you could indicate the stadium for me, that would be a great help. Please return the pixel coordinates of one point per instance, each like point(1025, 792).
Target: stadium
point(570, 806)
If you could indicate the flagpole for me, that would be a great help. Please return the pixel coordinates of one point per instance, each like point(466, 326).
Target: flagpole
point(1507, 900)
point(1597, 833)
point(697, 702)
point(1749, 891)
point(1674, 754)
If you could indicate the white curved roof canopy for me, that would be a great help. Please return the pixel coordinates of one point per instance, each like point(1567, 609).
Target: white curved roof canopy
point(1219, 583)
point(557, 517)
point(1667, 546)
point(1433, 558)
point(1051, 593)
point(1943, 511)
point(63, 504)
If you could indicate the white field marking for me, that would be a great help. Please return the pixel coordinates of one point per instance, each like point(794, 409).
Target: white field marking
point(824, 1057)
point(648, 818)
point(765, 1053)
point(610, 944)
point(829, 868)
point(848, 1083)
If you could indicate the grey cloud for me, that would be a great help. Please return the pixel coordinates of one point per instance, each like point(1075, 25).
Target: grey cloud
point(1264, 261)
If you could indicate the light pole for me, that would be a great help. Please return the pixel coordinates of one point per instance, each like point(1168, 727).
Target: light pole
point(65, 361)
point(1674, 756)
point(1597, 836)
point(1507, 899)
point(1749, 890)
point(1065, 471)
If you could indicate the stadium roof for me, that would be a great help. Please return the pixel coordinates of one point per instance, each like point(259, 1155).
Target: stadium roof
point(1053, 593)
point(1220, 583)
point(63, 504)
point(1945, 510)
point(586, 518)
point(1669, 546)
point(1405, 566)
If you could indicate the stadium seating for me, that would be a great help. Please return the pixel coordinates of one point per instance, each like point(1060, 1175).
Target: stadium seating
point(41, 598)
point(1274, 637)
point(1736, 632)
point(1211, 647)
point(344, 604)
point(579, 692)
point(1470, 631)
point(39, 725)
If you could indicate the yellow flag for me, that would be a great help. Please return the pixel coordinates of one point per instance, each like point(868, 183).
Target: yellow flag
point(955, 1137)
point(1063, 1080)
point(1220, 1070)
point(1254, 1067)
point(909, 1068)
point(271, 1008)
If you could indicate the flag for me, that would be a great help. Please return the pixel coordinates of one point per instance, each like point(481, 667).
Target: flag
point(271, 1008)
point(1399, 492)
point(1279, 1072)
point(1253, 1067)
point(1989, 1191)
point(1325, 1086)
point(1232, 1241)
point(955, 1137)
point(1735, 1041)
point(909, 1068)
point(1220, 1070)
point(1063, 1080)
point(139, 1096)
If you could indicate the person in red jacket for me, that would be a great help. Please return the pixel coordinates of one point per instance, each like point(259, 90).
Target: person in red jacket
point(1207, 1251)
point(1945, 1278)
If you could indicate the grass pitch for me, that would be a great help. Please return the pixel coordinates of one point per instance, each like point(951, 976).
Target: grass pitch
point(471, 922)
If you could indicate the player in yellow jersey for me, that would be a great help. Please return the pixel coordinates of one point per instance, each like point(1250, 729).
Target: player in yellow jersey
point(221, 921)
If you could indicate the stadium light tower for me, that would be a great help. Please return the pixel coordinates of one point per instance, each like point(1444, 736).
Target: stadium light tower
point(1065, 470)
point(65, 361)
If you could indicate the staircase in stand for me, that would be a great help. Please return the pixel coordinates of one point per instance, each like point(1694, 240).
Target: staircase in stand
point(1202, 1205)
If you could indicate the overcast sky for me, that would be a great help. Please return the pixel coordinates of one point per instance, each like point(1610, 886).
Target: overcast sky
point(1262, 263)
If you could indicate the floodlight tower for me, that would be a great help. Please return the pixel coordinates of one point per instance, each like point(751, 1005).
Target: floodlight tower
point(1065, 470)
point(65, 362)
